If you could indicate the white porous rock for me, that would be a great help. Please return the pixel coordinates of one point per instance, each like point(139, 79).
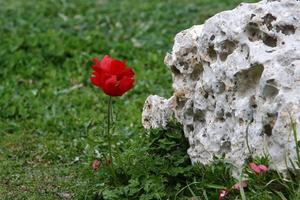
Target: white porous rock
point(157, 112)
point(237, 77)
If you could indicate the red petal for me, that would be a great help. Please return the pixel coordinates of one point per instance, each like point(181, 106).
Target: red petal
point(112, 66)
point(126, 84)
point(96, 61)
point(111, 87)
point(97, 65)
point(128, 72)
point(106, 63)
point(117, 67)
point(98, 79)
point(95, 80)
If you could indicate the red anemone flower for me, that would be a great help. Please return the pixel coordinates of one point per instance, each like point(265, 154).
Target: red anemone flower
point(112, 76)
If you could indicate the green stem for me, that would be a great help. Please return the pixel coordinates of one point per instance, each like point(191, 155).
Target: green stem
point(108, 127)
point(109, 119)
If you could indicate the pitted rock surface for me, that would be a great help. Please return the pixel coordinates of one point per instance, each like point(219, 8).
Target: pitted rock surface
point(236, 77)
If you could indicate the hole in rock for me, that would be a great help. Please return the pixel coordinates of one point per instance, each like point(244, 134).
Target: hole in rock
point(270, 90)
point(188, 113)
point(212, 53)
point(245, 50)
point(271, 120)
point(268, 129)
point(247, 80)
point(220, 86)
point(227, 47)
point(194, 50)
point(197, 71)
point(205, 95)
point(268, 19)
point(180, 102)
point(184, 64)
point(269, 40)
point(255, 34)
point(225, 144)
point(189, 128)
point(272, 115)
point(286, 29)
point(212, 37)
point(174, 70)
point(254, 105)
point(219, 113)
point(228, 115)
point(199, 116)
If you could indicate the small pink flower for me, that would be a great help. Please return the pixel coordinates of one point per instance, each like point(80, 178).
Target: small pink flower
point(96, 164)
point(258, 168)
point(240, 185)
point(223, 193)
point(263, 168)
point(254, 167)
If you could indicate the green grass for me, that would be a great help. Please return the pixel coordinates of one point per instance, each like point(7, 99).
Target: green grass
point(52, 120)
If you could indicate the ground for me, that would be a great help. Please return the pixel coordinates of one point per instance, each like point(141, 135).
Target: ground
point(52, 120)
